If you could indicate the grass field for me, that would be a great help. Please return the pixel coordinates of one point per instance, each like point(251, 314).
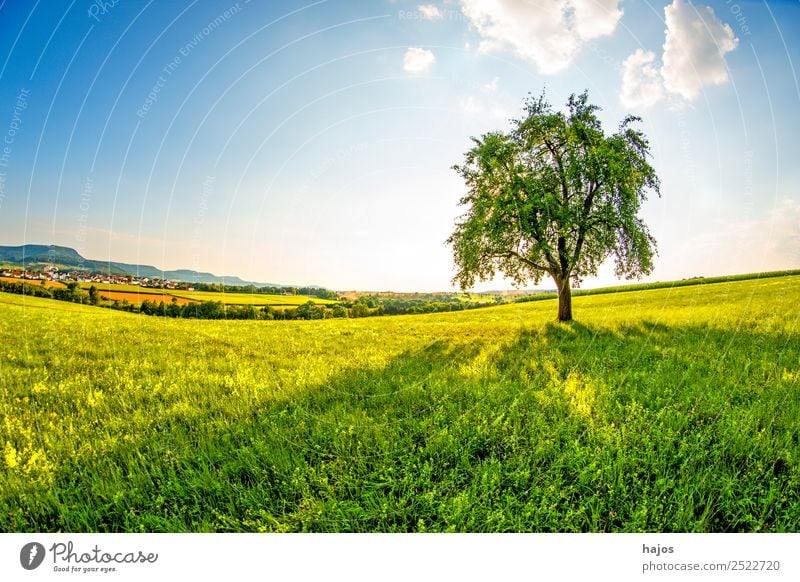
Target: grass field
point(661, 285)
point(658, 410)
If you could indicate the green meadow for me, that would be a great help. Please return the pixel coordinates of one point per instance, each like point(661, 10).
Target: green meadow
point(673, 409)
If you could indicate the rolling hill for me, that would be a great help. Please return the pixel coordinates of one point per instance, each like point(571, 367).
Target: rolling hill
point(38, 256)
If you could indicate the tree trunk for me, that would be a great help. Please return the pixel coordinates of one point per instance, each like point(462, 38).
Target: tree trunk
point(564, 299)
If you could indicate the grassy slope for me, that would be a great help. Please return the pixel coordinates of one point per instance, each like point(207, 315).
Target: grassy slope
point(662, 285)
point(672, 409)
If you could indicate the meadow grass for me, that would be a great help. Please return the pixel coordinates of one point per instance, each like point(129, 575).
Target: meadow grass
point(657, 410)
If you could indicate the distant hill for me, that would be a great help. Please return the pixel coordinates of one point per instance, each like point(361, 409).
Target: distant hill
point(39, 256)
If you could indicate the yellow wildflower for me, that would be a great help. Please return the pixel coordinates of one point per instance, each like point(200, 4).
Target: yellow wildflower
point(10, 456)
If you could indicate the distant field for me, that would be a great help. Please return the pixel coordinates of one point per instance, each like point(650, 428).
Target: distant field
point(120, 288)
point(659, 410)
point(255, 299)
point(463, 297)
point(133, 294)
point(138, 298)
point(249, 298)
point(54, 284)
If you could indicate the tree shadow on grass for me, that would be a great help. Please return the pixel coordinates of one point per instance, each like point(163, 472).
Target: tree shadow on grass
point(687, 428)
point(568, 428)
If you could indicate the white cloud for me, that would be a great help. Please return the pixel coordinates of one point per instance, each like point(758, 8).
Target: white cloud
point(471, 105)
point(429, 12)
point(549, 34)
point(642, 85)
point(418, 60)
point(694, 49)
point(491, 86)
point(695, 45)
point(596, 18)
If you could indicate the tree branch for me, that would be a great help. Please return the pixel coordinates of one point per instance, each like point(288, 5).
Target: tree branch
point(508, 254)
point(584, 222)
point(562, 256)
point(561, 175)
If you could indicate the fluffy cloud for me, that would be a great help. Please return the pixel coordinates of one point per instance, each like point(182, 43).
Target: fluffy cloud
point(641, 81)
point(695, 46)
point(595, 18)
point(418, 60)
point(429, 12)
point(549, 34)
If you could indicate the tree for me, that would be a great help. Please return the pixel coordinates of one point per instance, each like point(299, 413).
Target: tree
point(94, 297)
point(309, 310)
point(359, 309)
point(555, 196)
point(73, 293)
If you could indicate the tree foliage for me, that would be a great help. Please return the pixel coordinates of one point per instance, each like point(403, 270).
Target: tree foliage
point(555, 196)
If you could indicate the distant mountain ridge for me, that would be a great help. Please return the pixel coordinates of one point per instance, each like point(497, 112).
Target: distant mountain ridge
point(37, 256)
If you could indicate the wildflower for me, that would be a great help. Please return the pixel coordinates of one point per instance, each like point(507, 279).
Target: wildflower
point(10, 456)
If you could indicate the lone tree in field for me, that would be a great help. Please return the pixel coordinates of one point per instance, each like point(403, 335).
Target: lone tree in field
point(555, 195)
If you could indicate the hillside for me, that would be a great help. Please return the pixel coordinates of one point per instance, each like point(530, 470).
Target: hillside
point(38, 256)
point(657, 410)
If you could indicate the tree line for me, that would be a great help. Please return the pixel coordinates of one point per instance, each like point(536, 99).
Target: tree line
point(317, 292)
point(71, 292)
point(366, 306)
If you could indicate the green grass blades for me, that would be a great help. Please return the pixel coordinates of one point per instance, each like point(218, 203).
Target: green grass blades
point(658, 410)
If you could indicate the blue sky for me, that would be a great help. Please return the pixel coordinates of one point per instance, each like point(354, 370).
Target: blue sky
point(311, 142)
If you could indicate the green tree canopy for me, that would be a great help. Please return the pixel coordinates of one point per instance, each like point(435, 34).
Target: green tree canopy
point(555, 196)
